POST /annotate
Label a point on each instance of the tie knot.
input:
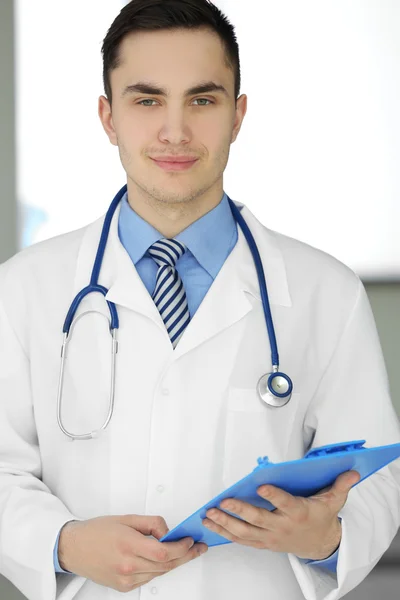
(167, 252)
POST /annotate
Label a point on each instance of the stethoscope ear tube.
(70, 320)
(64, 349)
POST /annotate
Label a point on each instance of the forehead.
(174, 55)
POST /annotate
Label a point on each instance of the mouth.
(175, 166)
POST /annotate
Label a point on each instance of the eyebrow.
(143, 87)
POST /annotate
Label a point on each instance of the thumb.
(343, 485)
(153, 525)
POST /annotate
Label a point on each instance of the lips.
(174, 166)
(175, 159)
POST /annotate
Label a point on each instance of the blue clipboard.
(305, 477)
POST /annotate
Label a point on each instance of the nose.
(175, 128)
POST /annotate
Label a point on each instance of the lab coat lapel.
(118, 274)
(226, 302)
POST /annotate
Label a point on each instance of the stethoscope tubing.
(261, 280)
(94, 279)
(95, 287)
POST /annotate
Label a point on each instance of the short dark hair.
(152, 15)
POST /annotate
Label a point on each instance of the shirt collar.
(208, 239)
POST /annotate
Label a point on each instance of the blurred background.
(321, 138)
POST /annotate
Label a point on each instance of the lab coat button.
(165, 391)
(160, 488)
(154, 591)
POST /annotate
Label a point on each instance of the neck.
(170, 217)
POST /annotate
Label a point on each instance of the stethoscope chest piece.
(275, 389)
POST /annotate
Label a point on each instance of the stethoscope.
(275, 388)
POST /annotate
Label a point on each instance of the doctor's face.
(146, 124)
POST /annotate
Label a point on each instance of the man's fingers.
(156, 551)
(142, 570)
(345, 482)
(282, 500)
(336, 495)
(342, 485)
(150, 567)
(153, 525)
(287, 503)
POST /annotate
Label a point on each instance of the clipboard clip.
(334, 448)
(328, 450)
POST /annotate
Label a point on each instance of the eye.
(206, 99)
(196, 100)
(146, 100)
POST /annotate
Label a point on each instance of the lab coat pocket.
(254, 429)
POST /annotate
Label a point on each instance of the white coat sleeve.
(30, 515)
(352, 402)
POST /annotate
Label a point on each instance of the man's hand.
(306, 527)
(114, 551)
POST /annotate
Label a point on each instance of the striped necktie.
(169, 294)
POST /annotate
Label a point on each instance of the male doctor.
(83, 519)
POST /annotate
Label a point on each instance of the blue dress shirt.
(209, 241)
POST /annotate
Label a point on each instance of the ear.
(240, 112)
(105, 115)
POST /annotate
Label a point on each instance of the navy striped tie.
(169, 294)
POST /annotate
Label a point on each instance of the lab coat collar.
(227, 300)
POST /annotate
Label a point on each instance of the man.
(83, 520)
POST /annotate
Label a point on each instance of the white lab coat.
(187, 422)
